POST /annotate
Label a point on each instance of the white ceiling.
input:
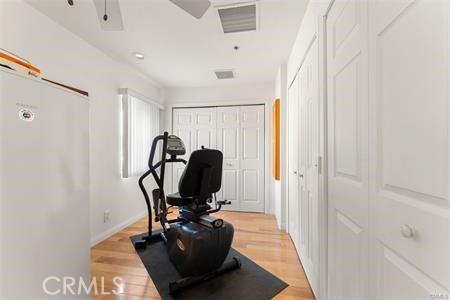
(181, 51)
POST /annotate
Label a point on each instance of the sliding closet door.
(237, 131)
(308, 180)
(228, 141)
(410, 154)
(197, 128)
(348, 185)
(293, 144)
(183, 120)
(252, 158)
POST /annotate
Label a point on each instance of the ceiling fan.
(110, 17)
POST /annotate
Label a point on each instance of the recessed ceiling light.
(138, 55)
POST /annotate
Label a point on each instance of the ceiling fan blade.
(196, 8)
(114, 16)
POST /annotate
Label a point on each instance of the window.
(141, 123)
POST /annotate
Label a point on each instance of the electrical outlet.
(106, 216)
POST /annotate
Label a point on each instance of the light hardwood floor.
(256, 236)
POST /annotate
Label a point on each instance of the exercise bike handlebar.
(159, 179)
(153, 151)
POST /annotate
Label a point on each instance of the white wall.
(251, 92)
(64, 57)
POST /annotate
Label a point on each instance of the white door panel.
(409, 164)
(228, 142)
(197, 128)
(400, 280)
(239, 133)
(252, 158)
(205, 127)
(294, 213)
(182, 124)
(348, 240)
(348, 192)
(308, 180)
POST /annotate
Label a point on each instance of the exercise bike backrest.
(202, 175)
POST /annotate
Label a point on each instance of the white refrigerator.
(44, 188)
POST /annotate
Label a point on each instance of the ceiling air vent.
(224, 74)
(238, 18)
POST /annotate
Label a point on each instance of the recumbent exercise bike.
(197, 243)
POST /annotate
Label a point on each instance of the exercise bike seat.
(176, 199)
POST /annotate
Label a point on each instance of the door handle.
(407, 231)
(300, 175)
(295, 172)
(229, 164)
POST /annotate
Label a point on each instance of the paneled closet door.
(228, 141)
(308, 137)
(183, 120)
(348, 183)
(197, 128)
(252, 158)
(409, 164)
(293, 164)
(205, 128)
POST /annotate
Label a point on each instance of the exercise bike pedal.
(224, 202)
(142, 243)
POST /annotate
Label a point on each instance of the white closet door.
(348, 186)
(228, 141)
(308, 137)
(293, 144)
(252, 158)
(183, 120)
(197, 128)
(238, 132)
(204, 127)
(410, 154)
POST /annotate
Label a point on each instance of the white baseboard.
(106, 234)
(281, 225)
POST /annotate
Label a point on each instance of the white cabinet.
(44, 186)
(238, 131)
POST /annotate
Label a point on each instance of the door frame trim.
(323, 127)
(168, 121)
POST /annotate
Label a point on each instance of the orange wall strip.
(276, 151)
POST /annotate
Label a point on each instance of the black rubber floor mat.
(249, 282)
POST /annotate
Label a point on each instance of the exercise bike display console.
(175, 146)
(197, 243)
